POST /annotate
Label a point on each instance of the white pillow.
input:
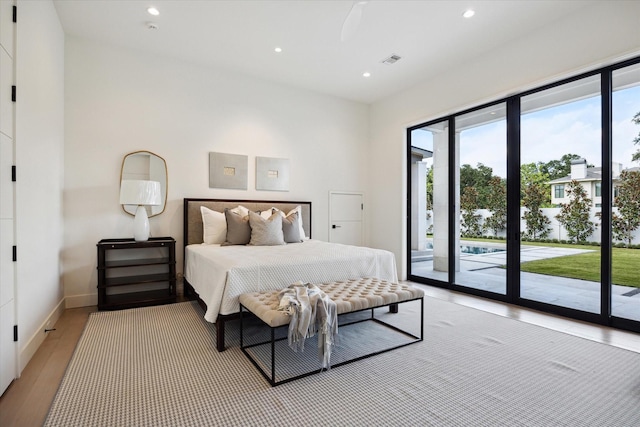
(214, 226)
(299, 210)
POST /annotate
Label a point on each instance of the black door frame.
(605, 316)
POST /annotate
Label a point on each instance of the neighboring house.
(589, 178)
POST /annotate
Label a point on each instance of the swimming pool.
(477, 250)
(474, 250)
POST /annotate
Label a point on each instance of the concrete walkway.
(483, 271)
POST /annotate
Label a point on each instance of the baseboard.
(30, 348)
(85, 300)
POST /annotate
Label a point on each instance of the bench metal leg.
(220, 334)
(272, 342)
(273, 356)
(241, 327)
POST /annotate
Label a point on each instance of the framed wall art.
(272, 174)
(228, 171)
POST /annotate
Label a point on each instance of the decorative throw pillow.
(266, 232)
(238, 229)
(297, 209)
(214, 226)
(291, 228)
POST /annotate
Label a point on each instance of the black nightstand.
(136, 274)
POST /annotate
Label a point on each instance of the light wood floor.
(26, 402)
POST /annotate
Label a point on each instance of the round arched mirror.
(145, 166)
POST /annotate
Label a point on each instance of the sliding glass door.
(535, 199)
(481, 194)
(625, 197)
(561, 171)
(429, 177)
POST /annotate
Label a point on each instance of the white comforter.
(219, 274)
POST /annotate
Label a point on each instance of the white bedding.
(219, 274)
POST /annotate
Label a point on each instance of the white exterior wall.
(589, 188)
(556, 230)
(419, 191)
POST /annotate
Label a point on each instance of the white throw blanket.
(311, 311)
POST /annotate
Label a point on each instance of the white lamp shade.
(140, 192)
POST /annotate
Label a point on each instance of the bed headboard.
(193, 217)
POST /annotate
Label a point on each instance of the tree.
(531, 174)
(555, 169)
(468, 207)
(478, 178)
(636, 140)
(430, 188)
(535, 195)
(497, 204)
(574, 216)
(627, 220)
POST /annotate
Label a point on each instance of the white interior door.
(346, 217)
(8, 354)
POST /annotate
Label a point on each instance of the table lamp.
(141, 193)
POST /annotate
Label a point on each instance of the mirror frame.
(165, 184)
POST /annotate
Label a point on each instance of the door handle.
(336, 226)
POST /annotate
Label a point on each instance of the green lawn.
(586, 266)
(625, 263)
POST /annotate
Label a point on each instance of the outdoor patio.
(483, 271)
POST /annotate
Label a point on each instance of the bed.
(217, 275)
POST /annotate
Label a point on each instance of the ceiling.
(431, 37)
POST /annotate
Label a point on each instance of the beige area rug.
(158, 366)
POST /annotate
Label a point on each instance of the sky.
(549, 134)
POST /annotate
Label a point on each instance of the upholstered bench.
(350, 296)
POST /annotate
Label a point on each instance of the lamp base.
(141, 225)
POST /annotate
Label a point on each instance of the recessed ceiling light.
(153, 11)
(278, 49)
(366, 74)
(468, 13)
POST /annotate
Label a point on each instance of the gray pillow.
(291, 228)
(266, 232)
(238, 229)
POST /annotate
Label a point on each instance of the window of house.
(559, 191)
(598, 189)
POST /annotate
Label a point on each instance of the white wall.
(39, 160)
(118, 101)
(599, 35)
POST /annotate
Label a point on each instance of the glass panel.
(625, 170)
(560, 166)
(481, 142)
(429, 196)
